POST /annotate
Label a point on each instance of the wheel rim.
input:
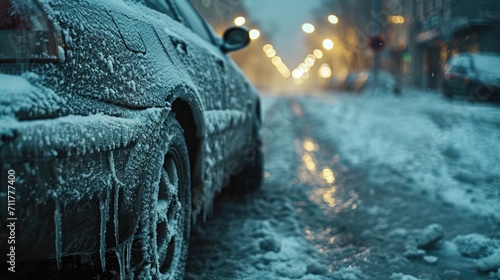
(170, 217)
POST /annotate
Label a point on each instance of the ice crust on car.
(137, 77)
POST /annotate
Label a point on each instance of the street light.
(308, 28)
(303, 67)
(325, 71)
(267, 47)
(398, 19)
(276, 60)
(271, 53)
(318, 53)
(282, 68)
(328, 44)
(297, 73)
(333, 19)
(239, 21)
(254, 34)
(309, 61)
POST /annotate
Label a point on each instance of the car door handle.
(179, 45)
(221, 63)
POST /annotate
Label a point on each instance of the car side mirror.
(235, 38)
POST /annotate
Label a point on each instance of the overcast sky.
(282, 20)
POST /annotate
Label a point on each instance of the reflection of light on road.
(325, 174)
(326, 193)
(310, 146)
(309, 234)
(326, 188)
(328, 175)
(309, 162)
(328, 196)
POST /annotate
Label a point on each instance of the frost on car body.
(83, 125)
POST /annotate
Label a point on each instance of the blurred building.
(443, 28)
(359, 22)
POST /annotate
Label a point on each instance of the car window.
(466, 64)
(193, 19)
(460, 70)
(456, 61)
(487, 64)
(457, 65)
(161, 6)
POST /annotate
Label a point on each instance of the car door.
(467, 72)
(226, 113)
(207, 64)
(457, 74)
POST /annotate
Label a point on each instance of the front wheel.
(162, 250)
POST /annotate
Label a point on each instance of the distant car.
(475, 76)
(355, 81)
(360, 81)
(119, 122)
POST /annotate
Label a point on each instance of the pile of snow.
(482, 250)
(401, 276)
(421, 240)
(486, 251)
(348, 273)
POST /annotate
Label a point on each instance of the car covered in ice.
(475, 76)
(119, 122)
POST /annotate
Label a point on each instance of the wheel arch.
(188, 111)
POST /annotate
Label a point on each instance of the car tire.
(484, 94)
(470, 92)
(252, 175)
(160, 252)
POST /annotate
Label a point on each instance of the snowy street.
(250, 139)
(363, 187)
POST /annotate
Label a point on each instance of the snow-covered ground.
(449, 150)
(363, 187)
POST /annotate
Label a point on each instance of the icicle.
(152, 241)
(115, 215)
(120, 256)
(116, 197)
(128, 253)
(104, 208)
(58, 233)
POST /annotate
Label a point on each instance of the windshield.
(487, 64)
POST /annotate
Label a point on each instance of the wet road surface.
(317, 218)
